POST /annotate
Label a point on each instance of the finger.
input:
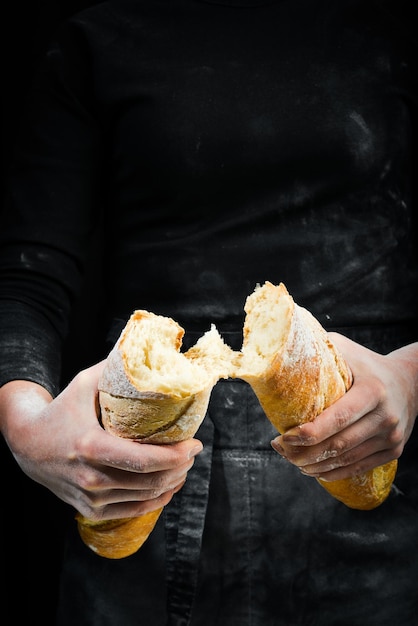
(373, 427)
(357, 402)
(122, 510)
(80, 398)
(330, 460)
(105, 487)
(118, 496)
(134, 456)
(87, 381)
(354, 469)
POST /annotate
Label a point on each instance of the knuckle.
(358, 469)
(343, 417)
(149, 505)
(339, 447)
(81, 380)
(377, 389)
(390, 422)
(308, 432)
(95, 514)
(84, 447)
(156, 493)
(397, 451)
(89, 480)
(157, 483)
(395, 437)
(396, 442)
(349, 458)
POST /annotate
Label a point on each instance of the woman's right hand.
(60, 444)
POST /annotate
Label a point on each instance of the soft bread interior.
(211, 354)
(268, 317)
(149, 390)
(152, 360)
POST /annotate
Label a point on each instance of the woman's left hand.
(369, 425)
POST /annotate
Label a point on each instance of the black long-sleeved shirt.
(220, 145)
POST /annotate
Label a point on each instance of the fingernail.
(276, 446)
(304, 471)
(297, 440)
(293, 440)
(194, 451)
(306, 474)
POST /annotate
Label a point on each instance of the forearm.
(407, 361)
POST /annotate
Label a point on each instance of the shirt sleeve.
(50, 212)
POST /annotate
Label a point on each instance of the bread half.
(151, 392)
(296, 372)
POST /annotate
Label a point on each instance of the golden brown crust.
(365, 491)
(118, 538)
(154, 418)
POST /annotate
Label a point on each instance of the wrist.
(407, 360)
(21, 400)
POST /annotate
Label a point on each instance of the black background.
(33, 520)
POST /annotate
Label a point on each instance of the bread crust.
(154, 417)
(364, 491)
(117, 538)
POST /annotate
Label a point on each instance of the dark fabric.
(220, 145)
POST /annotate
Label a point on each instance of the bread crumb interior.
(268, 314)
(152, 357)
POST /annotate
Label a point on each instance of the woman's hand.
(60, 444)
(369, 425)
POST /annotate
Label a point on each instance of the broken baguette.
(150, 392)
(296, 372)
